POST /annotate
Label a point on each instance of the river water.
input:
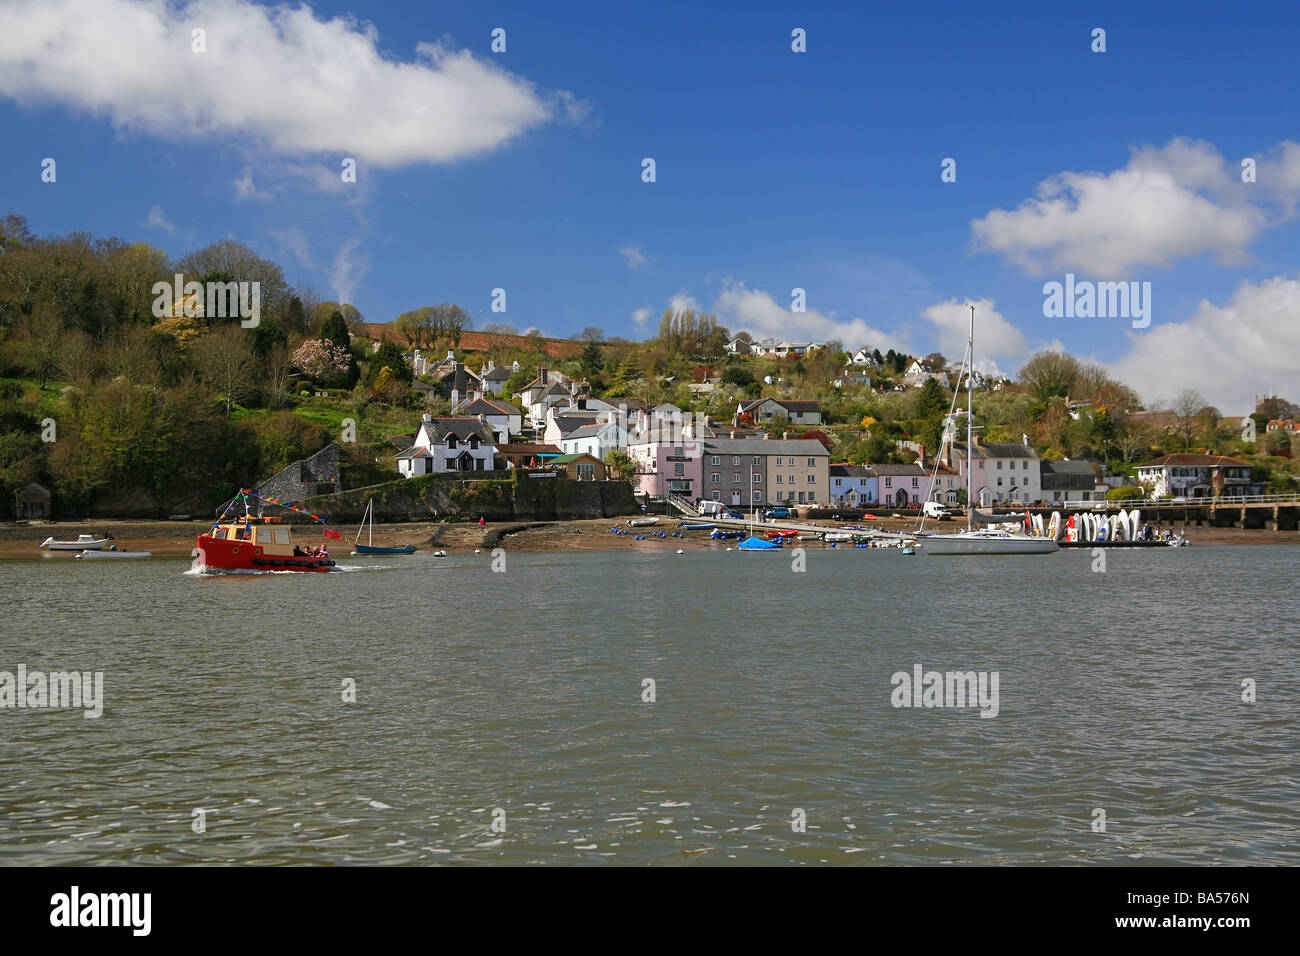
(502, 717)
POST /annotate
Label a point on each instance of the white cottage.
(448, 444)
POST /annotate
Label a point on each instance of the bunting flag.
(245, 494)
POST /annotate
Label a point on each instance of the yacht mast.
(970, 418)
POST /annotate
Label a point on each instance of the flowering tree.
(322, 361)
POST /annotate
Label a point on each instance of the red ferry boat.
(252, 543)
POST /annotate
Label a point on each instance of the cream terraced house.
(757, 471)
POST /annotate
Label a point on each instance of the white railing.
(1206, 502)
(684, 505)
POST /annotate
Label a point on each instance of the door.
(735, 497)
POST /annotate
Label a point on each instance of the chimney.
(541, 375)
(492, 365)
(426, 418)
(451, 356)
(582, 403)
(482, 419)
(455, 397)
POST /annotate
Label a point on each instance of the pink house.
(669, 466)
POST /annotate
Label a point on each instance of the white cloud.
(999, 345)
(755, 311)
(1180, 201)
(276, 76)
(245, 188)
(1228, 353)
(641, 316)
(681, 301)
(633, 256)
(158, 220)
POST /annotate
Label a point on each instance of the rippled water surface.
(521, 693)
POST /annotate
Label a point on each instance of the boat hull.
(115, 554)
(944, 544)
(221, 554)
(371, 549)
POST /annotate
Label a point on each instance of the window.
(735, 477)
(1024, 466)
(914, 482)
(756, 497)
(679, 469)
(812, 462)
(451, 464)
(999, 482)
(889, 482)
(1013, 481)
(999, 466)
(812, 479)
(451, 441)
(758, 461)
(839, 482)
(758, 478)
(801, 497)
(778, 478)
(717, 460)
(715, 477)
(717, 495)
(735, 460)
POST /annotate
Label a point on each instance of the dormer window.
(451, 441)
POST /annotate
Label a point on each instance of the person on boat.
(299, 552)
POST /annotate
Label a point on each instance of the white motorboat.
(84, 542)
(641, 522)
(115, 554)
(987, 540)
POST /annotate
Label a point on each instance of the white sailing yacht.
(985, 540)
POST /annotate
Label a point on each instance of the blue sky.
(775, 169)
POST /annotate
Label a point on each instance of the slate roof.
(1196, 461)
(764, 446)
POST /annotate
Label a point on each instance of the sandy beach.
(19, 540)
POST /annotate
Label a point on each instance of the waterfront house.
(580, 467)
(1198, 476)
(902, 486)
(757, 471)
(1005, 472)
(851, 486)
(667, 461)
(1069, 480)
(448, 444)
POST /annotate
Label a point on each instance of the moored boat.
(84, 542)
(368, 525)
(641, 522)
(114, 553)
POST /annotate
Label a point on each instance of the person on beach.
(481, 523)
